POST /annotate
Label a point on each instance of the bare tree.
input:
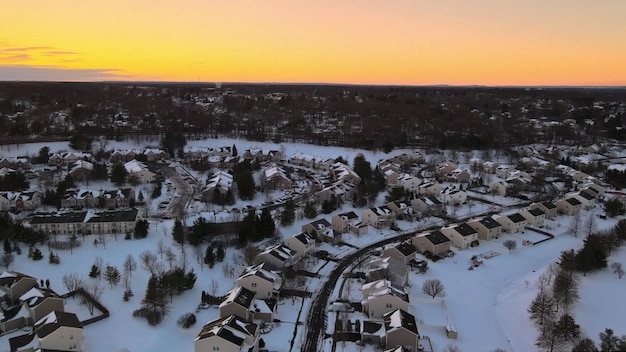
(590, 224)
(451, 348)
(150, 262)
(72, 281)
(161, 247)
(95, 289)
(7, 259)
(250, 252)
(433, 288)
(170, 256)
(510, 245)
(617, 269)
(214, 287)
(99, 264)
(576, 223)
(198, 252)
(130, 264)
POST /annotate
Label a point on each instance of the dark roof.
(407, 320)
(303, 237)
(18, 342)
(115, 216)
(573, 201)
(536, 212)
(8, 281)
(217, 328)
(59, 218)
(490, 223)
(244, 297)
(434, 200)
(11, 312)
(587, 195)
(63, 319)
(517, 217)
(406, 248)
(349, 215)
(465, 230)
(371, 327)
(321, 223)
(548, 205)
(437, 237)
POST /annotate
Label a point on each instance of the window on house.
(389, 305)
(216, 348)
(253, 284)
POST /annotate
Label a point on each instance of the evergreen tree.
(266, 227)
(154, 304)
(95, 272)
(242, 174)
(613, 207)
(7, 246)
(592, 255)
(585, 345)
(118, 174)
(141, 228)
(310, 211)
(247, 228)
(112, 275)
(541, 308)
(558, 334)
(220, 253)
(288, 215)
(565, 290)
(178, 232)
(209, 257)
(200, 231)
(234, 150)
(609, 341)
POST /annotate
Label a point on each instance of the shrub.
(474, 243)
(186, 320)
(154, 317)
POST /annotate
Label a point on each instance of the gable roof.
(437, 237)
(406, 248)
(465, 230)
(536, 212)
(517, 217)
(240, 295)
(51, 322)
(573, 201)
(489, 222)
(231, 328)
(20, 342)
(348, 216)
(400, 319)
(548, 205)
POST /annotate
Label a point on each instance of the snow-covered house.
(277, 256)
(343, 172)
(259, 279)
(434, 242)
(275, 178)
(402, 210)
(486, 227)
(301, 243)
(14, 285)
(341, 191)
(316, 227)
(428, 206)
(512, 223)
(139, 170)
(221, 182)
(458, 175)
(383, 296)
(238, 302)
(401, 330)
(341, 222)
(57, 331)
(452, 195)
(377, 217)
(229, 334)
(27, 200)
(568, 206)
(535, 216)
(429, 188)
(446, 167)
(41, 302)
(388, 268)
(403, 251)
(81, 171)
(549, 208)
(461, 235)
(409, 182)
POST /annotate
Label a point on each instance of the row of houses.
(27, 304)
(118, 221)
(27, 200)
(115, 198)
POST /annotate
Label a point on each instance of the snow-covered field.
(487, 305)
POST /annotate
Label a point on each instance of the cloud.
(15, 57)
(32, 73)
(59, 52)
(27, 48)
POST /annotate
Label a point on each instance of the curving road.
(316, 325)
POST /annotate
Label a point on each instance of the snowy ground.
(486, 305)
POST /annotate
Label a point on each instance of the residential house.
(238, 302)
(57, 331)
(154, 154)
(586, 198)
(15, 163)
(62, 223)
(341, 222)
(275, 178)
(229, 334)
(458, 175)
(535, 217)
(512, 223)
(316, 227)
(489, 167)
(342, 172)
(429, 188)
(5, 203)
(118, 198)
(434, 242)
(568, 206)
(402, 210)
(502, 188)
(549, 208)
(403, 251)
(301, 244)
(372, 332)
(139, 170)
(383, 296)
(428, 206)
(461, 235)
(392, 177)
(277, 256)
(446, 167)
(14, 285)
(401, 330)
(453, 196)
(27, 200)
(409, 182)
(378, 217)
(388, 268)
(259, 279)
(341, 191)
(221, 182)
(41, 302)
(502, 171)
(118, 221)
(303, 159)
(81, 171)
(486, 227)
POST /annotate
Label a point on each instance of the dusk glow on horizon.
(400, 42)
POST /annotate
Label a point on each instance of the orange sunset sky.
(414, 42)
